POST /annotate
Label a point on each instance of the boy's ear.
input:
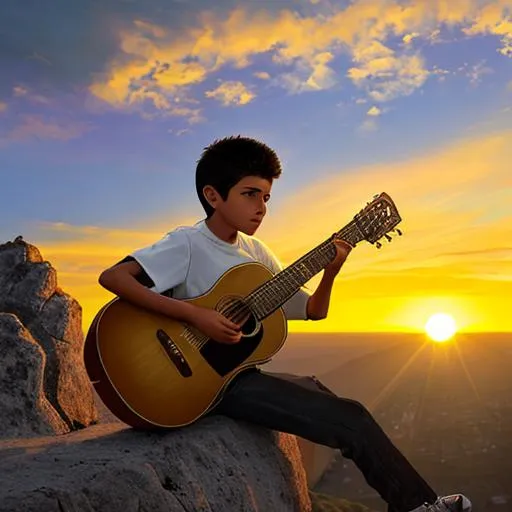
(211, 195)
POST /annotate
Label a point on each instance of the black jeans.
(305, 407)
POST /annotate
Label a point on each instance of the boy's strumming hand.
(342, 251)
(215, 325)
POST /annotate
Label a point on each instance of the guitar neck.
(276, 291)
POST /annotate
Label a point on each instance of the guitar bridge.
(174, 353)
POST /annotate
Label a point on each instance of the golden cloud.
(156, 61)
(409, 37)
(312, 75)
(231, 93)
(374, 111)
(492, 20)
(385, 75)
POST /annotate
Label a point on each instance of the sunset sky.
(105, 107)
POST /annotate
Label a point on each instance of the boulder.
(44, 387)
(214, 465)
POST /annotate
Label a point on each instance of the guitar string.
(238, 310)
(342, 233)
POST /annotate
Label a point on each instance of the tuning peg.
(398, 232)
(388, 238)
(375, 196)
(378, 245)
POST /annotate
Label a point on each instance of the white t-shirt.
(190, 259)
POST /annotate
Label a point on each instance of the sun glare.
(440, 327)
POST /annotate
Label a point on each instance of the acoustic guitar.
(155, 372)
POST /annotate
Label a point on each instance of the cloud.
(374, 111)
(476, 71)
(492, 19)
(163, 106)
(3, 106)
(440, 73)
(20, 91)
(179, 133)
(39, 128)
(262, 75)
(384, 75)
(407, 39)
(156, 60)
(368, 126)
(312, 75)
(370, 123)
(231, 93)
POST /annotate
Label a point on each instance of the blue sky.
(106, 106)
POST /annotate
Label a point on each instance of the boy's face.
(245, 205)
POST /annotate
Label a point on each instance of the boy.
(234, 178)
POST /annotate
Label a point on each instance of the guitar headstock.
(377, 219)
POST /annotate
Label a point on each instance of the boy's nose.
(262, 206)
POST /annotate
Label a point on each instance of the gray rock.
(215, 465)
(53, 387)
(25, 408)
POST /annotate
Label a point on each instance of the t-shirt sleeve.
(166, 262)
(295, 308)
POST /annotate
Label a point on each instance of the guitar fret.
(275, 292)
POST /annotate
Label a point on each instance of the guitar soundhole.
(237, 311)
(224, 358)
(249, 326)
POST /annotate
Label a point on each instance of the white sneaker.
(452, 503)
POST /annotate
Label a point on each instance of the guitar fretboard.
(276, 291)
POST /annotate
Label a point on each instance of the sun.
(440, 327)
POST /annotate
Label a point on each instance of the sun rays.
(439, 355)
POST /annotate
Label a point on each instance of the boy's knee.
(363, 412)
(320, 385)
(356, 410)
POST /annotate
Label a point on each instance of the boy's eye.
(252, 193)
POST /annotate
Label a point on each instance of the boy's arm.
(122, 281)
(318, 304)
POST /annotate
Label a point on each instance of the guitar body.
(154, 372)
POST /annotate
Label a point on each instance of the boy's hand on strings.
(342, 251)
(216, 326)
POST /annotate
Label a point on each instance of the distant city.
(447, 406)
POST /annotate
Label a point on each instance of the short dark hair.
(226, 161)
